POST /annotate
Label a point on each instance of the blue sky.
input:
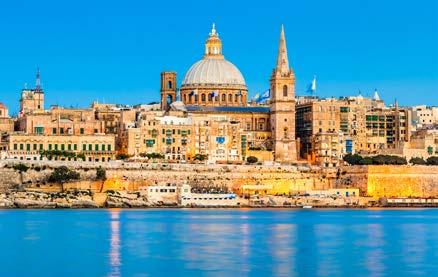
(114, 51)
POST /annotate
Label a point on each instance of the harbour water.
(228, 242)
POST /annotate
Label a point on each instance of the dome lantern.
(213, 45)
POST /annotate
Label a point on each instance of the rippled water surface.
(219, 242)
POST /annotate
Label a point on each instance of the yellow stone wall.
(402, 181)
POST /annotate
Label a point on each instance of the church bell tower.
(282, 106)
(168, 89)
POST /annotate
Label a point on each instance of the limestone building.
(32, 100)
(6, 123)
(91, 148)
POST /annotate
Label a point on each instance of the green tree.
(432, 160)
(21, 167)
(122, 156)
(417, 160)
(353, 159)
(251, 160)
(63, 174)
(366, 161)
(200, 157)
(101, 173)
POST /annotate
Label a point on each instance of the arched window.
(210, 97)
(203, 97)
(169, 84)
(284, 91)
(224, 97)
(230, 98)
(236, 97)
(285, 133)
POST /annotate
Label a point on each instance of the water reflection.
(283, 249)
(414, 247)
(374, 258)
(219, 243)
(115, 257)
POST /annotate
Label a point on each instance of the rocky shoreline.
(83, 199)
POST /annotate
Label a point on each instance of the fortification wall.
(402, 181)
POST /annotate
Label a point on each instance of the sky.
(114, 51)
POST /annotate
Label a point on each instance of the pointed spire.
(376, 96)
(282, 60)
(38, 80)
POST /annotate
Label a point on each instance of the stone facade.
(96, 148)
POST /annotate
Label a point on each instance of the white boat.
(307, 207)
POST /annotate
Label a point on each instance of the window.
(62, 147)
(103, 147)
(203, 97)
(96, 147)
(90, 147)
(50, 146)
(230, 98)
(81, 131)
(15, 146)
(27, 147)
(54, 131)
(169, 85)
(39, 130)
(109, 147)
(75, 147)
(61, 130)
(285, 133)
(284, 91)
(223, 97)
(69, 147)
(84, 147)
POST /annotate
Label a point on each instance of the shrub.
(200, 157)
(101, 173)
(353, 159)
(417, 160)
(63, 174)
(252, 159)
(366, 161)
(122, 156)
(20, 167)
(152, 155)
(432, 160)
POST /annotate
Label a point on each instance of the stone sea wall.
(374, 181)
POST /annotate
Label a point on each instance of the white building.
(187, 198)
(424, 115)
(162, 194)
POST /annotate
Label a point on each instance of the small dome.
(213, 71)
(178, 106)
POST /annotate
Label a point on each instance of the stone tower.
(168, 89)
(282, 106)
(32, 100)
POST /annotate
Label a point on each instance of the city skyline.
(116, 57)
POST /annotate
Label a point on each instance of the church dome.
(213, 71)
